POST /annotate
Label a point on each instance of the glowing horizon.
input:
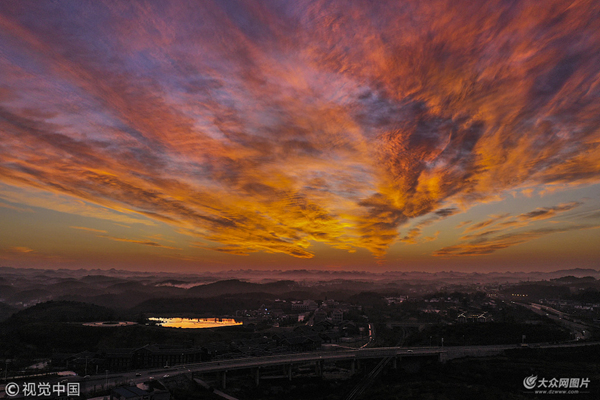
(303, 134)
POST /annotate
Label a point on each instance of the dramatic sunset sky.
(218, 135)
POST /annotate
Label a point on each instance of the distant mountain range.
(118, 289)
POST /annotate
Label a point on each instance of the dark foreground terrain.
(43, 315)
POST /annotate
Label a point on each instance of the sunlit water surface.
(195, 323)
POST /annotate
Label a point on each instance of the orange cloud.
(487, 222)
(21, 249)
(483, 246)
(415, 232)
(547, 212)
(143, 242)
(264, 129)
(463, 224)
(496, 237)
(431, 238)
(88, 229)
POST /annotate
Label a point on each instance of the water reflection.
(195, 322)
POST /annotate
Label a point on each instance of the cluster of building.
(284, 313)
(395, 300)
(570, 305)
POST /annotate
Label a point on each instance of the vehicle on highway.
(166, 376)
(138, 374)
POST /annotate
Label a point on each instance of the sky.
(222, 135)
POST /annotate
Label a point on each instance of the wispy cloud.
(415, 232)
(548, 212)
(266, 127)
(15, 208)
(431, 238)
(501, 231)
(463, 224)
(483, 224)
(143, 242)
(88, 229)
(483, 245)
(63, 202)
(20, 249)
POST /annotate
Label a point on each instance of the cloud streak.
(483, 245)
(436, 216)
(547, 212)
(500, 235)
(142, 242)
(20, 249)
(83, 228)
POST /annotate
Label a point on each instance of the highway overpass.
(317, 358)
(287, 361)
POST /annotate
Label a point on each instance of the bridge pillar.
(352, 367)
(395, 363)
(257, 376)
(443, 357)
(290, 372)
(224, 380)
(319, 368)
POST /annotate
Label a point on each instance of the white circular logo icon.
(11, 389)
(530, 382)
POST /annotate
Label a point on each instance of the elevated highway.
(317, 358)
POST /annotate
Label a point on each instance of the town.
(111, 349)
